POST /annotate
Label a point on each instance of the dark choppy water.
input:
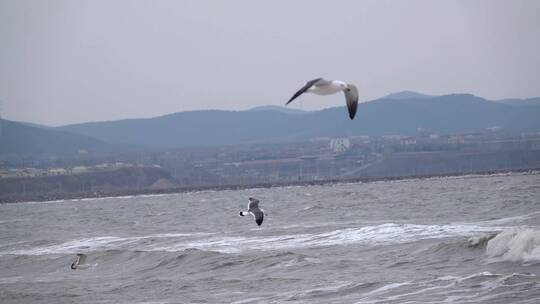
(413, 241)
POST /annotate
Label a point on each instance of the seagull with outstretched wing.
(253, 209)
(322, 86)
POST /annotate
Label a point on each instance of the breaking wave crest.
(518, 244)
(384, 234)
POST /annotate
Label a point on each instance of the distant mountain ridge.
(447, 114)
(279, 109)
(23, 139)
(535, 101)
(439, 114)
(406, 95)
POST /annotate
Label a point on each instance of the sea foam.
(518, 244)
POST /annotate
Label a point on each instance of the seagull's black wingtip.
(259, 220)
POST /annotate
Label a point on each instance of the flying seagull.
(322, 86)
(79, 263)
(253, 208)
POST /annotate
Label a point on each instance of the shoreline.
(36, 198)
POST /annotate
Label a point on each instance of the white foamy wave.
(515, 245)
(383, 234)
(483, 287)
(513, 220)
(369, 235)
(480, 240)
(105, 242)
(100, 242)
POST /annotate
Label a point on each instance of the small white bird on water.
(253, 209)
(322, 86)
(79, 263)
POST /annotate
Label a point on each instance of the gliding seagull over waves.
(322, 86)
(253, 208)
(79, 263)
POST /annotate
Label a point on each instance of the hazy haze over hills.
(22, 140)
(521, 102)
(65, 62)
(442, 114)
(406, 95)
(279, 109)
(395, 114)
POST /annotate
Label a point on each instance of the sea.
(468, 239)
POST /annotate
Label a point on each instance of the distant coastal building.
(340, 144)
(79, 169)
(392, 137)
(121, 165)
(57, 171)
(456, 139)
(407, 141)
(363, 139)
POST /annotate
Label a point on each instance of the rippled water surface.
(472, 239)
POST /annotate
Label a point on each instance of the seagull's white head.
(341, 84)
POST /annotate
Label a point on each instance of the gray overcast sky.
(74, 61)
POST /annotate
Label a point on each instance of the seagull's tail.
(242, 213)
